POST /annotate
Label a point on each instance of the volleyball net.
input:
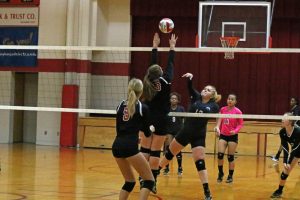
(97, 76)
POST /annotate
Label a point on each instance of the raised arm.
(194, 94)
(168, 75)
(156, 42)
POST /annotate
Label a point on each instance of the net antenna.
(229, 43)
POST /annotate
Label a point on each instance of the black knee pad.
(155, 154)
(283, 176)
(149, 184)
(128, 186)
(179, 155)
(220, 156)
(230, 158)
(169, 155)
(200, 164)
(145, 150)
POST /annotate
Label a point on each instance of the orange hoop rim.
(231, 41)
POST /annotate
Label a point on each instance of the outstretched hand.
(188, 75)
(156, 40)
(172, 41)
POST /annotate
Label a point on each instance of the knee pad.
(179, 155)
(149, 184)
(155, 154)
(128, 186)
(283, 176)
(230, 158)
(220, 156)
(200, 164)
(145, 150)
(169, 155)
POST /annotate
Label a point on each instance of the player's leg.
(199, 159)
(232, 145)
(156, 146)
(145, 143)
(128, 175)
(174, 148)
(141, 165)
(284, 175)
(168, 141)
(222, 145)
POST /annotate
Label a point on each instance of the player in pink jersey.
(227, 130)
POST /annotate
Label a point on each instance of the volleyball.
(166, 25)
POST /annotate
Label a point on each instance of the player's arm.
(146, 120)
(156, 42)
(194, 94)
(239, 124)
(285, 148)
(168, 75)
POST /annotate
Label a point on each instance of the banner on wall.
(18, 26)
(19, 2)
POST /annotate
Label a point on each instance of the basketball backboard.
(248, 20)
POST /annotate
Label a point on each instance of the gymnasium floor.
(47, 172)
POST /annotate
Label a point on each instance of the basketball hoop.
(229, 42)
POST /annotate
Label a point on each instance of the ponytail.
(216, 97)
(152, 74)
(132, 99)
(149, 91)
(135, 89)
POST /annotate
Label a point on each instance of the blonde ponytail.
(131, 103)
(215, 97)
(135, 89)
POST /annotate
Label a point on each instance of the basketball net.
(229, 42)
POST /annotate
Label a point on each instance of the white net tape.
(181, 49)
(110, 92)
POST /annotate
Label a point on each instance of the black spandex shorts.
(160, 124)
(185, 137)
(124, 147)
(229, 138)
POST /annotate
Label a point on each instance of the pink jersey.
(230, 124)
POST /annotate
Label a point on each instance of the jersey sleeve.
(169, 72)
(239, 122)
(285, 147)
(146, 120)
(194, 94)
(153, 57)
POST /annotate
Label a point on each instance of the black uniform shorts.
(195, 138)
(229, 138)
(160, 125)
(125, 147)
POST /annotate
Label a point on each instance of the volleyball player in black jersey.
(132, 116)
(289, 135)
(157, 89)
(174, 126)
(295, 110)
(194, 131)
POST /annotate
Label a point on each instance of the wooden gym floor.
(47, 172)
